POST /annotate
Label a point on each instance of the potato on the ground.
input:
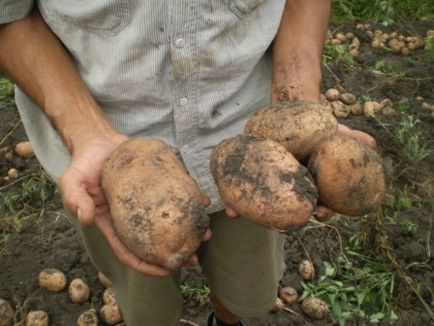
(6, 313)
(78, 291)
(349, 176)
(315, 308)
(278, 305)
(288, 295)
(157, 208)
(111, 314)
(88, 318)
(24, 149)
(52, 279)
(37, 318)
(298, 126)
(108, 296)
(263, 182)
(306, 270)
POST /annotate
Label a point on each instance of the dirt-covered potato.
(306, 270)
(37, 318)
(104, 280)
(110, 314)
(52, 279)
(6, 313)
(24, 149)
(288, 295)
(108, 296)
(78, 291)
(315, 308)
(263, 182)
(157, 208)
(298, 126)
(278, 305)
(88, 318)
(349, 176)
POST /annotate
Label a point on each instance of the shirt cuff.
(11, 10)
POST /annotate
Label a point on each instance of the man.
(93, 73)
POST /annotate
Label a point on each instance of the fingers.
(205, 200)
(358, 135)
(207, 235)
(76, 198)
(124, 255)
(323, 214)
(230, 212)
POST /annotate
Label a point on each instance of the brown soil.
(47, 239)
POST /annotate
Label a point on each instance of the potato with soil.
(263, 182)
(88, 318)
(37, 318)
(52, 279)
(111, 314)
(298, 126)
(156, 207)
(315, 308)
(78, 291)
(349, 176)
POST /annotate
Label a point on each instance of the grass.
(382, 68)
(6, 89)
(383, 12)
(197, 293)
(339, 55)
(357, 288)
(429, 54)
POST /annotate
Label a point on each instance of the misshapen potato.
(88, 318)
(37, 318)
(349, 176)
(299, 126)
(260, 180)
(155, 205)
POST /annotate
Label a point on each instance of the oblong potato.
(263, 182)
(349, 176)
(155, 205)
(299, 126)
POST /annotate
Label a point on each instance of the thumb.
(76, 198)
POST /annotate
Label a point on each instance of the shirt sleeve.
(11, 10)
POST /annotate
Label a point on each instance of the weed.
(338, 54)
(381, 68)
(429, 53)
(356, 288)
(199, 294)
(6, 88)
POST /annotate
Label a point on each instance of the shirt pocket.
(104, 17)
(242, 8)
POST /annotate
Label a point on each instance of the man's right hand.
(81, 192)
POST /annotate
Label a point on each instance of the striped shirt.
(187, 72)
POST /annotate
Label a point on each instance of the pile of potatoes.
(342, 105)
(313, 307)
(348, 38)
(22, 149)
(260, 176)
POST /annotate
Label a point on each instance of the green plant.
(6, 88)
(338, 54)
(382, 68)
(429, 53)
(199, 294)
(356, 289)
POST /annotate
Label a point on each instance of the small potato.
(288, 295)
(156, 207)
(349, 176)
(348, 98)
(377, 44)
(427, 106)
(24, 149)
(298, 126)
(263, 182)
(349, 35)
(306, 270)
(354, 53)
(315, 308)
(37, 318)
(108, 296)
(388, 111)
(110, 314)
(278, 305)
(78, 291)
(341, 37)
(335, 41)
(88, 318)
(104, 280)
(52, 279)
(340, 110)
(9, 156)
(369, 109)
(12, 173)
(6, 313)
(405, 51)
(332, 94)
(356, 109)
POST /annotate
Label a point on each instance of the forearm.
(297, 50)
(37, 62)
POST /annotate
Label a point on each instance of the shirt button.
(183, 101)
(180, 43)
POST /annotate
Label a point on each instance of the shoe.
(212, 322)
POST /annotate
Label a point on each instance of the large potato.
(263, 182)
(156, 207)
(299, 126)
(349, 176)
